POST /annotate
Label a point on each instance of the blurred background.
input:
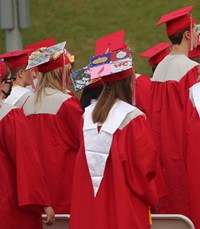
(81, 22)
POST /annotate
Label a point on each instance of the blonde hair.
(110, 93)
(53, 80)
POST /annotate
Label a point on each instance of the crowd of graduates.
(127, 149)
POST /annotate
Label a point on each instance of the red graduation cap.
(16, 59)
(157, 53)
(54, 64)
(44, 43)
(118, 76)
(2, 69)
(110, 42)
(177, 20)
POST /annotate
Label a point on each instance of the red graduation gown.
(125, 192)
(23, 189)
(56, 123)
(192, 156)
(142, 90)
(143, 98)
(168, 96)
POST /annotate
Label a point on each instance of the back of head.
(177, 22)
(111, 92)
(156, 53)
(16, 59)
(116, 85)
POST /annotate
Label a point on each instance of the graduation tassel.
(133, 82)
(64, 85)
(191, 34)
(0, 89)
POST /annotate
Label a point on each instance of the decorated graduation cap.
(157, 53)
(44, 43)
(112, 62)
(120, 62)
(16, 59)
(47, 59)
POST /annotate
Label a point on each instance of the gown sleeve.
(20, 146)
(139, 161)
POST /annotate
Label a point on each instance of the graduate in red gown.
(56, 118)
(192, 128)
(116, 162)
(171, 81)
(17, 62)
(155, 55)
(23, 189)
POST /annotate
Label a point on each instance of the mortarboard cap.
(49, 59)
(177, 20)
(118, 76)
(16, 59)
(157, 53)
(110, 43)
(2, 69)
(44, 43)
(95, 84)
(54, 63)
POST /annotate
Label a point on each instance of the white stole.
(98, 144)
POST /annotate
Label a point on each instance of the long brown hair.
(110, 93)
(53, 80)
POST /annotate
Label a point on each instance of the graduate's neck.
(180, 49)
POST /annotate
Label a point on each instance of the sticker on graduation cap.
(81, 78)
(100, 59)
(120, 60)
(44, 55)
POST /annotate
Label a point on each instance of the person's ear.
(20, 73)
(187, 34)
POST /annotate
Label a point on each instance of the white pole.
(14, 36)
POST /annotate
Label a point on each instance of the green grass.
(81, 22)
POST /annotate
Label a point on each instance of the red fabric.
(192, 161)
(2, 69)
(159, 57)
(117, 76)
(22, 181)
(190, 139)
(143, 100)
(195, 52)
(16, 59)
(58, 141)
(53, 64)
(177, 20)
(178, 24)
(156, 53)
(167, 121)
(142, 90)
(125, 192)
